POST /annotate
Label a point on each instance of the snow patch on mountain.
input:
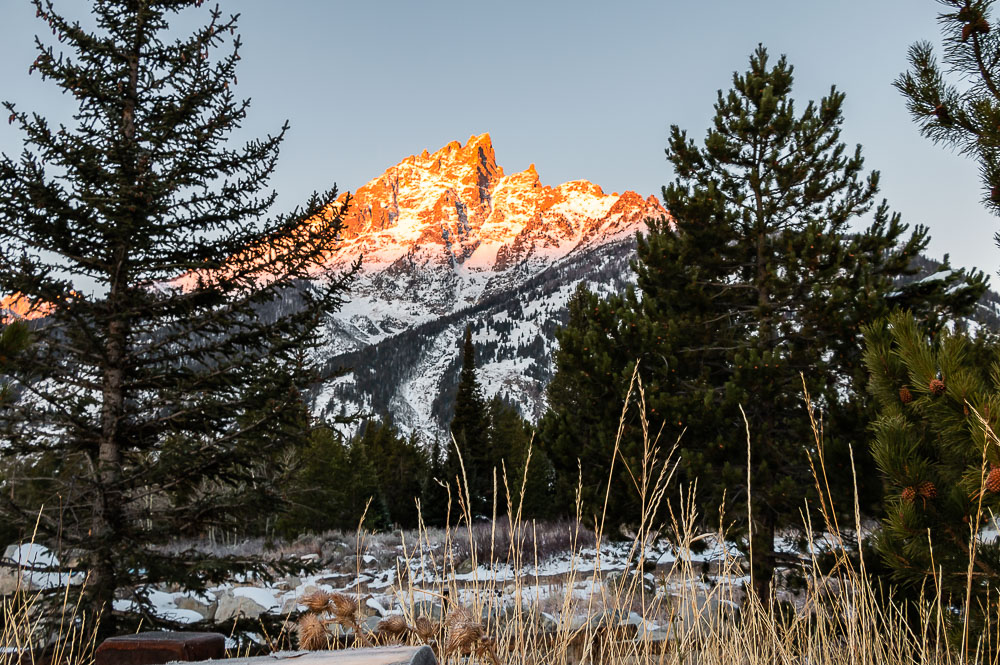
(449, 240)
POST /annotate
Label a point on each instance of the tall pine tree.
(469, 429)
(174, 354)
(757, 279)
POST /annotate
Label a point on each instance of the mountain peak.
(455, 201)
(477, 153)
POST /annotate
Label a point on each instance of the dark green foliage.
(14, 338)
(335, 481)
(434, 504)
(400, 471)
(470, 431)
(923, 439)
(962, 113)
(318, 494)
(578, 432)
(172, 395)
(755, 282)
(494, 440)
(528, 481)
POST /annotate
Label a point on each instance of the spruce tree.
(174, 355)
(469, 430)
(757, 279)
(938, 402)
(400, 470)
(434, 495)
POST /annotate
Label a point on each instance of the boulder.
(205, 608)
(429, 609)
(231, 607)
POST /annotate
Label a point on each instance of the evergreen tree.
(963, 112)
(13, 340)
(434, 497)
(755, 282)
(174, 352)
(400, 467)
(318, 491)
(528, 481)
(578, 431)
(469, 429)
(938, 460)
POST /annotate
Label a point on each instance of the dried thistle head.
(458, 614)
(317, 601)
(344, 608)
(425, 629)
(393, 626)
(312, 633)
(463, 631)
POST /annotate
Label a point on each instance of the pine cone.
(927, 490)
(966, 32)
(905, 396)
(993, 480)
(909, 494)
(941, 111)
(936, 387)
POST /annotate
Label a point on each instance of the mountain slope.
(447, 240)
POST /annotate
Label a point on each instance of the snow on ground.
(40, 567)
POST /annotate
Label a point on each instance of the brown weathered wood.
(154, 648)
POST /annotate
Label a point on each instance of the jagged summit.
(448, 239)
(458, 204)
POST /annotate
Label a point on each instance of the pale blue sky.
(583, 89)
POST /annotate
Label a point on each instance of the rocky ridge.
(448, 239)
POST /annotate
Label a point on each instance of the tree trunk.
(109, 498)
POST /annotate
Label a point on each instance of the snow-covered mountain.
(447, 240)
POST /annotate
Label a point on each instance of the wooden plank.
(155, 648)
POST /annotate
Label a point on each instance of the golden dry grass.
(840, 617)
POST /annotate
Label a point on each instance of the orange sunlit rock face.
(18, 307)
(459, 200)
